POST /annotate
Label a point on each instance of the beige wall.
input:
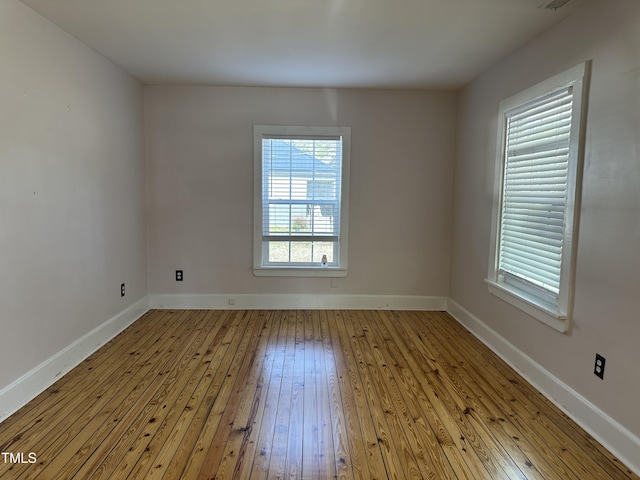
(71, 190)
(199, 151)
(607, 311)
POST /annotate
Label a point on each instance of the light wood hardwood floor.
(301, 395)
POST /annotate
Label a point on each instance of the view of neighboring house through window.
(301, 201)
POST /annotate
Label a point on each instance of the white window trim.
(340, 270)
(557, 317)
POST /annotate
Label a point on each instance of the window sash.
(294, 252)
(301, 200)
(534, 194)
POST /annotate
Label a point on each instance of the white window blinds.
(301, 191)
(534, 198)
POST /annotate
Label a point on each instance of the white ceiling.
(320, 43)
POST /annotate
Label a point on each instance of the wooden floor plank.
(328, 450)
(310, 419)
(106, 363)
(162, 423)
(431, 457)
(177, 378)
(493, 408)
(107, 428)
(278, 447)
(363, 458)
(263, 431)
(82, 413)
(304, 394)
(398, 412)
(447, 421)
(246, 356)
(155, 446)
(476, 432)
(203, 460)
(521, 407)
(236, 445)
(584, 457)
(498, 411)
(398, 457)
(295, 441)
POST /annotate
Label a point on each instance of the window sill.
(531, 305)
(332, 272)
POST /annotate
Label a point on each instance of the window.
(535, 216)
(301, 200)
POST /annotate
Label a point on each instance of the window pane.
(324, 218)
(301, 195)
(301, 252)
(323, 248)
(279, 252)
(279, 218)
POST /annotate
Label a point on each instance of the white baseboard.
(293, 301)
(34, 382)
(614, 436)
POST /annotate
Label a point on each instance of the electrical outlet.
(122, 289)
(179, 276)
(598, 370)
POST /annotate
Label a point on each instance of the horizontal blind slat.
(300, 238)
(542, 253)
(531, 119)
(539, 157)
(542, 123)
(548, 181)
(514, 254)
(527, 241)
(544, 103)
(539, 222)
(549, 284)
(552, 130)
(532, 267)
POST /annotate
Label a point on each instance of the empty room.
(313, 240)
